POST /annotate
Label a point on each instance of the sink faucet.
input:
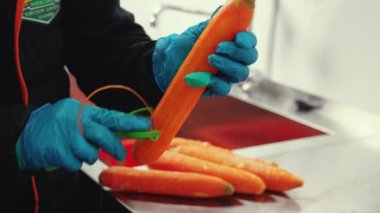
(160, 9)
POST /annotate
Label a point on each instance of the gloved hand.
(231, 59)
(52, 137)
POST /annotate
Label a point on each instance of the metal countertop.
(340, 168)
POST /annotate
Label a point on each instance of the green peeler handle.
(152, 135)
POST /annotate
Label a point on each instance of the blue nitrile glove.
(231, 60)
(52, 136)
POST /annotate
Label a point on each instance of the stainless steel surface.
(340, 169)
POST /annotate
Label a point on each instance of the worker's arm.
(104, 46)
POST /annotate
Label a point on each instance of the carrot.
(178, 141)
(164, 182)
(275, 178)
(180, 99)
(243, 182)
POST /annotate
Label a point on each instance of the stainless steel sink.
(234, 124)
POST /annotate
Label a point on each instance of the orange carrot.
(164, 182)
(180, 99)
(178, 141)
(243, 182)
(275, 178)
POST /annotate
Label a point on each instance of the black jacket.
(99, 42)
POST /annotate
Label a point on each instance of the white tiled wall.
(330, 48)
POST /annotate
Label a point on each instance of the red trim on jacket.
(23, 87)
(18, 21)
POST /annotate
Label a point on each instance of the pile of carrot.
(191, 168)
(275, 178)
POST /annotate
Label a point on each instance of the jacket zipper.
(18, 22)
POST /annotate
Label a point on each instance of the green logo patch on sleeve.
(41, 11)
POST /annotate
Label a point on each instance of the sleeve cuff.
(20, 160)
